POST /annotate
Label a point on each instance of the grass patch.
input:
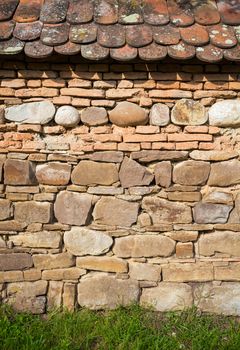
(130, 328)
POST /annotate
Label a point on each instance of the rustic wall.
(97, 214)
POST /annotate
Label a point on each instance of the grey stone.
(94, 116)
(67, 116)
(133, 174)
(209, 213)
(225, 113)
(159, 114)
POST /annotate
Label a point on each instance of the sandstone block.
(53, 261)
(43, 239)
(189, 112)
(15, 261)
(218, 197)
(94, 116)
(107, 156)
(53, 173)
(5, 209)
(88, 172)
(19, 172)
(143, 246)
(188, 272)
(82, 241)
(183, 236)
(226, 242)
(167, 297)
(73, 208)
(128, 114)
(213, 156)
(69, 296)
(225, 173)
(104, 263)
(191, 172)
(225, 113)
(133, 174)
(184, 250)
(113, 211)
(69, 274)
(67, 116)
(106, 292)
(234, 217)
(148, 156)
(230, 272)
(163, 173)
(159, 114)
(144, 272)
(210, 213)
(54, 296)
(31, 212)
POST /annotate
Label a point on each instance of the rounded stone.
(128, 114)
(159, 115)
(67, 116)
(189, 112)
(94, 116)
(225, 113)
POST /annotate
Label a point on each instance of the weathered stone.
(230, 272)
(189, 112)
(113, 211)
(144, 272)
(67, 116)
(146, 156)
(70, 274)
(106, 292)
(54, 296)
(128, 114)
(225, 113)
(88, 172)
(188, 272)
(143, 246)
(69, 296)
(218, 197)
(107, 156)
(225, 242)
(210, 213)
(163, 211)
(220, 299)
(167, 297)
(73, 208)
(19, 172)
(159, 114)
(43, 239)
(31, 113)
(163, 173)
(105, 190)
(82, 241)
(184, 196)
(225, 173)
(213, 156)
(53, 261)
(191, 172)
(94, 116)
(53, 173)
(12, 225)
(183, 236)
(18, 261)
(133, 174)
(103, 263)
(184, 250)
(234, 217)
(2, 114)
(30, 212)
(5, 209)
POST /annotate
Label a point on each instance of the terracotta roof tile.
(209, 29)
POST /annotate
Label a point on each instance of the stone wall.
(109, 202)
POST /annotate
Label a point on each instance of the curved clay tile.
(11, 47)
(130, 12)
(68, 49)
(94, 52)
(28, 31)
(83, 33)
(222, 36)
(180, 13)
(54, 11)
(152, 52)
(111, 36)
(166, 35)
(36, 49)
(28, 11)
(209, 53)
(195, 35)
(155, 12)
(232, 54)
(138, 35)
(106, 11)
(181, 51)
(55, 34)
(80, 11)
(125, 53)
(229, 11)
(6, 29)
(206, 12)
(7, 9)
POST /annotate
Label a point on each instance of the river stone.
(213, 156)
(31, 113)
(220, 299)
(225, 242)
(191, 172)
(189, 112)
(225, 173)
(167, 296)
(73, 208)
(133, 174)
(81, 241)
(163, 173)
(94, 116)
(88, 172)
(5, 209)
(33, 212)
(225, 113)
(143, 246)
(163, 211)
(53, 173)
(19, 172)
(107, 292)
(128, 114)
(18, 261)
(67, 116)
(159, 115)
(113, 211)
(209, 213)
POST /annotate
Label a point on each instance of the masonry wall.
(98, 215)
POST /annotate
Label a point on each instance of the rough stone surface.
(88, 172)
(103, 263)
(107, 156)
(54, 296)
(43, 239)
(210, 213)
(82, 241)
(5, 209)
(2, 114)
(128, 114)
(30, 212)
(167, 297)
(214, 156)
(19, 172)
(53, 261)
(94, 116)
(225, 242)
(113, 211)
(144, 272)
(234, 217)
(53, 173)
(15, 261)
(225, 113)
(106, 292)
(67, 116)
(225, 173)
(73, 208)
(198, 272)
(191, 172)
(143, 246)
(159, 115)
(189, 112)
(163, 211)
(31, 113)
(133, 174)
(163, 174)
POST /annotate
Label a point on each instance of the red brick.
(34, 83)
(206, 145)
(81, 75)
(36, 74)
(146, 145)
(170, 76)
(214, 77)
(30, 128)
(121, 93)
(186, 145)
(235, 85)
(7, 92)
(213, 130)
(108, 138)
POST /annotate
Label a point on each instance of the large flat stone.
(113, 211)
(225, 173)
(213, 155)
(225, 242)
(144, 271)
(15, 261)
(191, 172)
(53, 173)
(102, 263)
(31, 212)
(189, 112)
(128, 114)
(106, 292)
(210, 213)
(225, 113)
(146, 156)
(5, 209)
(133, 174)
(53, 261)
(19, 172)
(187, 272)
(43, 239)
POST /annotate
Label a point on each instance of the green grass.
(123, 329)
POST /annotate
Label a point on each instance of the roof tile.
(125, 53)
(222, 36)
(80, 11)
(55, 34)
(112, 35)
(28, 31)
(106, 11)
(195, 35)
(181, 51)
(54, 11)
(130, 12)
(94, 52)
(155, 12)
(138, 36)
(11, 47)
(180, 13)
(28, 11)
(232, 54)
(68, 48)
(6, 29)
(209, 53)
(206, 13)
(166, 35)
(152, 52)
(7, 8)
(83, 33)
(36, 49)
(229, 11)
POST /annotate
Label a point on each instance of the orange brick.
(146, 145)
(83, 129)
(34, 145)
(162, 145)
(22, 137)
(107, 84)
(54, 83)
(125, 84)
(81, 102)
(34, 83)
(145, 101)
(191, 86)
(147, 129)
(186, 145)
(189, 137)
(170, 93)
(144, 138)
(129, 147)
(30, 128)
(13, 83)
(101, 130)
(235, 85)
(113, 146)
(168, 85)
(214, 93)
(206, 145)
(214, 130)
(80, 147)
(108, 138)
(36, 74)
(82, 75)
(121, 93)
(145, 84)
(170, 76)
(62, 100)
(171, 128)
(54, 130)
(214, 77)
(80, 83)
(196, 129)
(7, 92)
(40, 92)
(79, 92)
(218, 85)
